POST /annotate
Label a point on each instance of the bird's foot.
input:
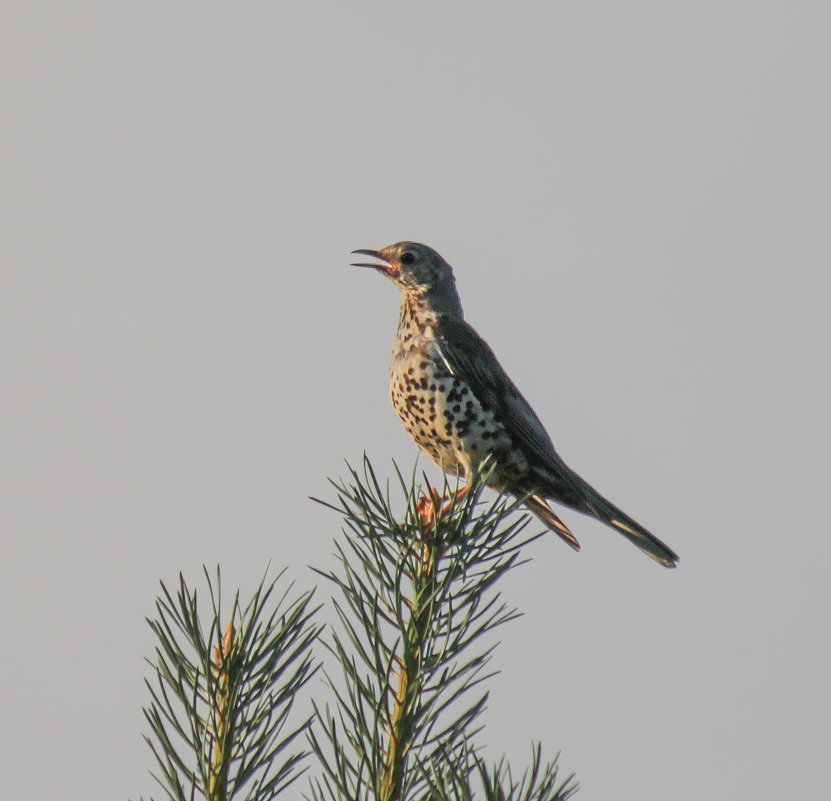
(433, 508)
(428, 505)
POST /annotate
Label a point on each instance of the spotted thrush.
(460, 406)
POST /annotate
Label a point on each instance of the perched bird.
(460, 406)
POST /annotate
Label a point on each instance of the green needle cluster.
(417, 605)
(220, 701)
(398, 715)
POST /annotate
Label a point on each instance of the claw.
(429, 504)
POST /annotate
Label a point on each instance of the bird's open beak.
(387, 267)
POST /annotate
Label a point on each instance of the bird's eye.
(407, 257)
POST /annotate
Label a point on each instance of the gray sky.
(635, 197)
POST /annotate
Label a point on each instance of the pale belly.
(440, 412)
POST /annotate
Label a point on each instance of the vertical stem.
(410, 676)
(222, 733)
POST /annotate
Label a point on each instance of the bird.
(457, 402)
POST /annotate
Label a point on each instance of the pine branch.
(454, 781)
(417, 607)
(222, 695)
(415, 602)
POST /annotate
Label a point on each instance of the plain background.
(635, 197)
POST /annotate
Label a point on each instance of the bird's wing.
(469, 358)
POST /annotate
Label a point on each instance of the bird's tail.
(605, 511)
(573, 491)
(544, 512)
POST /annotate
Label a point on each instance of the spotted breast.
(438, 409)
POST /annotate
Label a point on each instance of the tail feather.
(608, 513)
(647, 542)
(568, 488)
(545, 513)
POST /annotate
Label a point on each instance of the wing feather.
(471, 359)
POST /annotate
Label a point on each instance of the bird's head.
(418, 271)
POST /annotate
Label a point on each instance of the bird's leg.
(457, 496)
(429, 504)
